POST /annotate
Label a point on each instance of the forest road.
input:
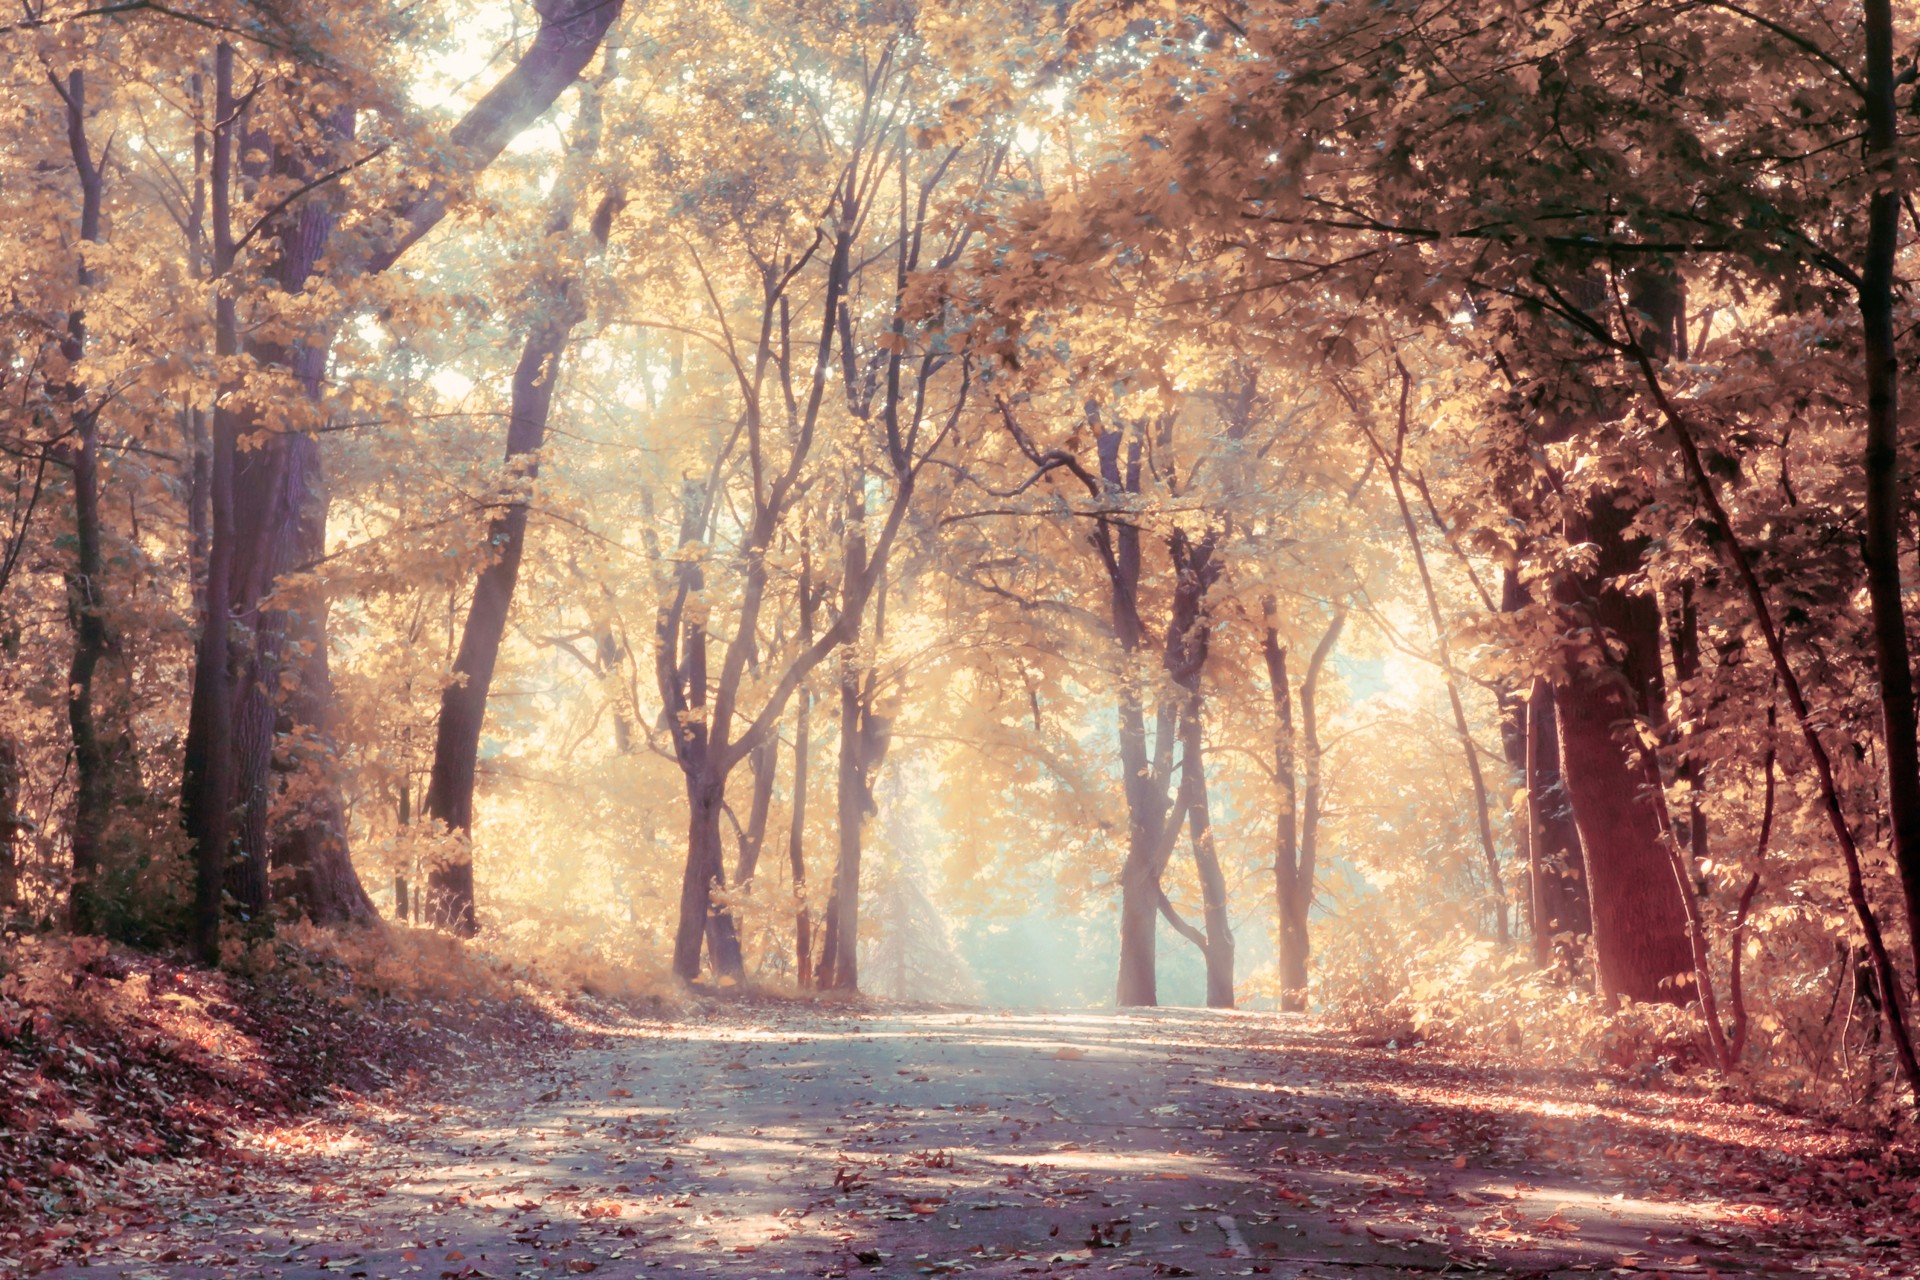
(790, 1140)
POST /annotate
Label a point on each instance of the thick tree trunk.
(92, 766)
(702, 871)
(1899, 724)
(1144, 775)
(1189, 635)
(310, 846)
(206, 784)
(1639, 918)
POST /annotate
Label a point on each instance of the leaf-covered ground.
(778, 1138)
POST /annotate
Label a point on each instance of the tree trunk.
(311, 846)
(1882, 461)
(1213, 885)
(1189, 635)
(569, 35)
(1311, 793)
(1139, 877)
(1288, 895)
(9, 828)
(1559, 889)
(796, 836)
(1144, 777)
(1639, 919)
(1689, 772)
(206, 785)
(840, 963)
(703, 870)
(463, 703)
(93, 789)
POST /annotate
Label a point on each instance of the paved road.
(789, 1141)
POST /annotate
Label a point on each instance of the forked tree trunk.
(569, 35)
(1639, 919)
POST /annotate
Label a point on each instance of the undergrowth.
(1463, 991)
(113, 1061)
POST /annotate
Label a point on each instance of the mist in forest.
(1399, 515)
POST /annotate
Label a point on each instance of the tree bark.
(1639, 920)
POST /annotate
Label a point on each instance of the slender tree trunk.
(1144, 777)
(1683, 644)
(1561, 906)
(1213, 884)
(1139, 877)
(1287, 890)
(1313, 789)
(1639, 919)
(463, 703)
(1539, 914)
(840, 963)
(797, 836)
(9, 828)
(93, 789)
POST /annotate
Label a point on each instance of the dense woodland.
(1402, 508)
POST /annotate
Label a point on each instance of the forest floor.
(763, 1137)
